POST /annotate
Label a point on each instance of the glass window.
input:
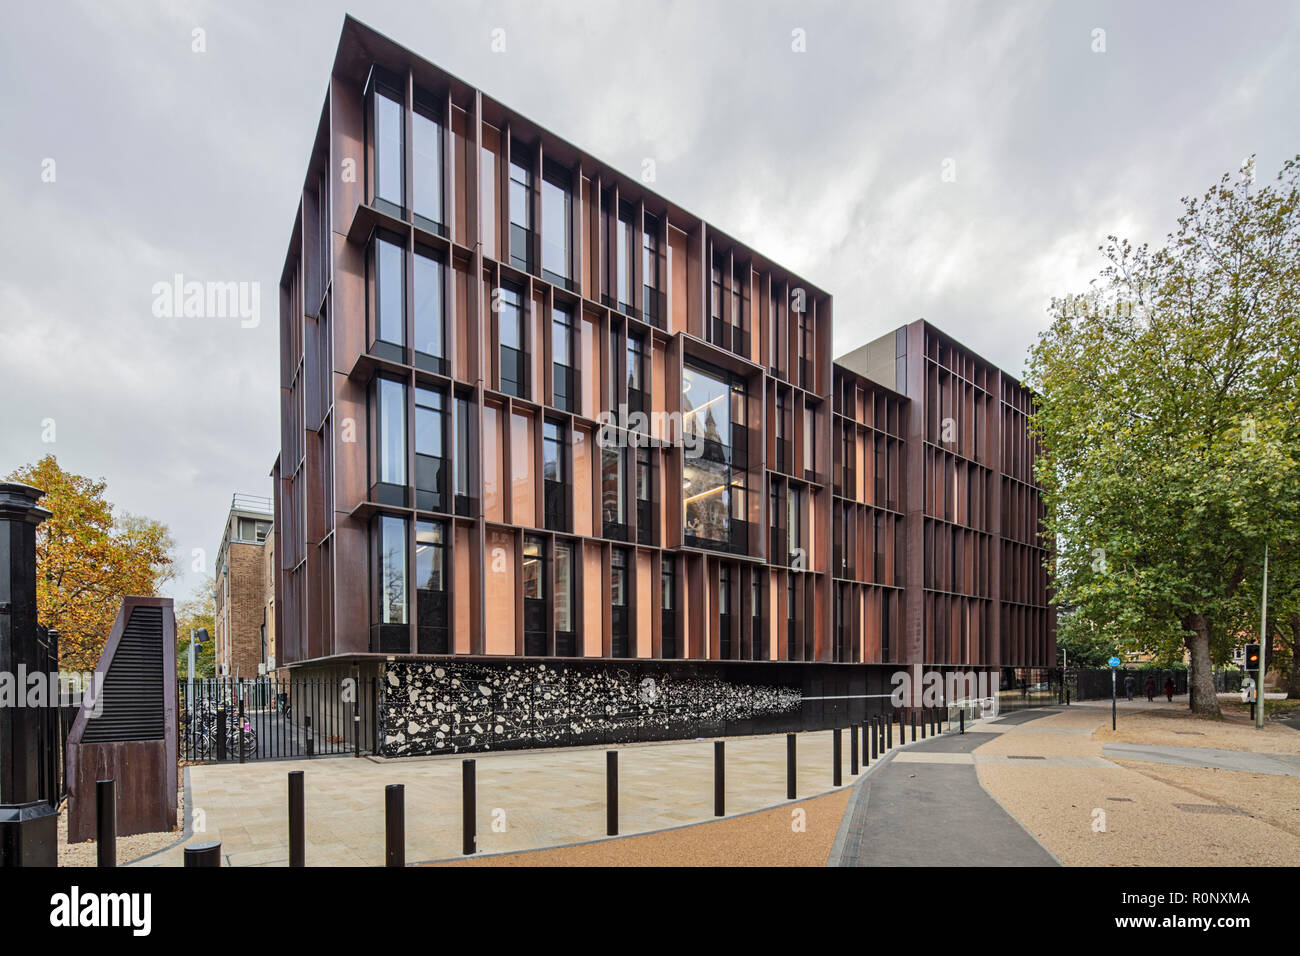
(624, 252)
(389, 141)
(650, 268)
(556, 224)
(705, 488)
(563, 587)
(705, 410)
(666, 582)
(392, 432)
(553, 452)
(635, 363)
(534, 569)
(427, 283)
(612, 486)
(562, 377)
(389, 321)
(390, 568)
(429, 556)
(618, 578)
(426, 147)
(428, 422)
(510, 319)
(462, 447)
(521, 210)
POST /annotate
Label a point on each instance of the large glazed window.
(387, 297)
(426, 177)
(510, 318)
(389, 604)
(431, 587)
(564, 624)
(563, 381)
(386, 130)
(613, 493)
(651, 298)
(427, 287)
(391, 450)
(713, 467)
(430, 438)
(556, 225)
(521, 210)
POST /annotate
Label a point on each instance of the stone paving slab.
(527, 799)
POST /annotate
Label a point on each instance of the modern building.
(241, 641)
(562, 462)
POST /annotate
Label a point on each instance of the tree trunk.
(1200, 675)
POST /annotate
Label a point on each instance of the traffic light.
(1252, 657)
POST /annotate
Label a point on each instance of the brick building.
(241, 598)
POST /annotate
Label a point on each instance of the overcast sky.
(830, 161)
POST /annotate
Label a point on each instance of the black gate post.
(311, 741)
(837, 755)
(28, 822)
(394, 825)
(468, 808)
(106, 822)
(789, 767)
(221, 734)
(239, 725)
(719, 784)
(611, 792)
(296, 821)
(356, 714)
(853, 749)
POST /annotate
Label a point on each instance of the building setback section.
(532, 410)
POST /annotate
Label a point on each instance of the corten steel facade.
(466, 299)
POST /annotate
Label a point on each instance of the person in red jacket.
(1169, 689)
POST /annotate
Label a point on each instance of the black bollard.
(297, 822)
(961, 720)
(394, 825)
(853, 750)
(837, 755)
(889, 734)
(203, 854)
(875, 737)
(789, 766)
(868, 735)
(469, 808)
(611, 792)
(913, 726)
(880, 734)
(106, 822)
(925, 718)
(221, 735)
(719, 778)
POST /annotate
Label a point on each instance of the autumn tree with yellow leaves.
(88, 558)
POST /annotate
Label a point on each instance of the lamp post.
(28, 824)
(1263, 645)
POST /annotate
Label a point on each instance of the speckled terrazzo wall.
(450, 707)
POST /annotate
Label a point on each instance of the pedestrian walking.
(1151, 689)
(1169, 689)
(1129, 684)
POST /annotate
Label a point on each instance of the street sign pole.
(1114, 663)
(1263, 648)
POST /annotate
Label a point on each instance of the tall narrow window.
(390, 457)
(521, 209)
(563, 384)
(613, 503)
(535, 580)
(724, 612)
(389, 594)
(388, 139)
(431, 588)
(668, 606)
(564, 624)
(636, 400)
(794, 524)
(624, 252)
(555, 476)
(465, 503)
(651, 298)
(426, 175)
(646, 525)
(620, 645)
(430, 432)
(387, 297)
(556, 224)
(510, 327)
(427, 285)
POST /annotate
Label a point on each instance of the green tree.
(1168, 421)
(88, 559)
(197, 611)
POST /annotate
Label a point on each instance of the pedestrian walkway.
(924, 806)
(527, 799)
(1211, 759)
